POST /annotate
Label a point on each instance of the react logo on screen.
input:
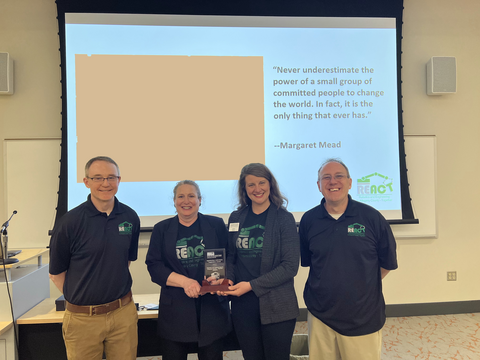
(375, 187)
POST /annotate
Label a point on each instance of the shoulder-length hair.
(259, 170)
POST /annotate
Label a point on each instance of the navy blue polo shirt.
(95, 250)
(344, 286)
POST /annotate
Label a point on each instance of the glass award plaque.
(215, 271)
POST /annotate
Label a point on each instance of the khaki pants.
(87, 337)
(326, 344)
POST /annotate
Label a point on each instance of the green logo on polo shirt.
(356, 230)
(125, 228)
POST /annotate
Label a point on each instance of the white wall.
(443, 28)
(28, 31)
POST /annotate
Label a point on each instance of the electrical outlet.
(451, 276)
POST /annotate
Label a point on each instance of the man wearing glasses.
(90, 252)
(349, 248)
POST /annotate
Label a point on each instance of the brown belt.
(100, 309)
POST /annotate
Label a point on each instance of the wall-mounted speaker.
(6, 74)
(442, 75)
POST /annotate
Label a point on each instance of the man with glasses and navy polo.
(349, 248)
(90, 252)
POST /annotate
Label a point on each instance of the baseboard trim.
(440, 308)
(423, 309)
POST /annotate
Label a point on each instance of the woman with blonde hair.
(187, 320)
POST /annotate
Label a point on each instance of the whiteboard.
(422, 177)
(32, 169)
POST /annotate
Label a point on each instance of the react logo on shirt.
(356, 230)
(245, 241)
(125, 228)
(185, 249)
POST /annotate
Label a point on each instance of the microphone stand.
(4, 251)
(4, 244)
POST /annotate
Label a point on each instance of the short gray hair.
(336, 160)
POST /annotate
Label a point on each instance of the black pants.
(173, 350)
(257, 341)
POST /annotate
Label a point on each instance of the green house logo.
(374, 184)
(125, 228)
(356, 230)
(189, 252)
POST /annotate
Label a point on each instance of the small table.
(45, 313)
(40, 330)
(23, 257)
(5, 326)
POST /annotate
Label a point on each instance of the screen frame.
(349, 8)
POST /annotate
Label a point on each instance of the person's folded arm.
(58, 280)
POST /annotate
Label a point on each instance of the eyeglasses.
(100, 179)
(337, 177)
